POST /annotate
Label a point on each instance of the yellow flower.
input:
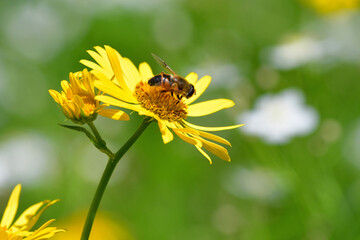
(128, 88)
(22, 226)
(77, 100)
(330, 6)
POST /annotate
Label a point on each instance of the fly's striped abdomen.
(159, 80)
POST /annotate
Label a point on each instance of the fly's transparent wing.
(163, 64)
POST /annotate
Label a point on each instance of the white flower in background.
(341, 34)
(278, 118)
(25, 157)
(296, 52)
(257, 184)
(330, 39)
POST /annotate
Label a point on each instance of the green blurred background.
(292, 68)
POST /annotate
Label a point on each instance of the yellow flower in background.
(330, 6)
(128, 88)
(77, 100)
(104, 228)
(21, 228)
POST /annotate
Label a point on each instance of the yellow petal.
(88, 82)
(212, 129)
(65, 85)
(74, 83)
(23, 221)
(103, 62)
(188, 139)
(114, 114)
(78, 101)
(118, 103)
(200, 88)
(4, 235)
(102, 53)
(11, 207)
(131, 74)
(114, 58)
(208, 107)
(145, 71)
(96, 67)
(216, 149)
(205, 135)
(55, 95)
(112, 89)
(192, 78)
(167, 136)
(204, 153)
(44, 232)
(103, 65)
(34, 219)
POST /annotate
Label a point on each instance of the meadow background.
(292, 68)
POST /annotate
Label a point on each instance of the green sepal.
(81, 129)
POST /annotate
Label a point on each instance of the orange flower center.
(159, 101)
(89, 105)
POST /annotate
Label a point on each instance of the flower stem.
(101, 144)
(106, 177)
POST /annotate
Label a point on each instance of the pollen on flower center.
(161, 103)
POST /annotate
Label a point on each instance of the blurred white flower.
(25, 158)
(341, 37)
(330, 39)
(258, 184)
(296, 52)
(278, 118)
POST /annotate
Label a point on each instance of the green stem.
(106, 177)
(101, 144)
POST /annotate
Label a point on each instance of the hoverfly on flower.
(138, 89)
(172, 83)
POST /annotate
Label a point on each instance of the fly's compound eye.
(191, 91)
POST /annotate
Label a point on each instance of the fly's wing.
(163, 64)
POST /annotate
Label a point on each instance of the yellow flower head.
(128, 87)
(331, 6)
(21, 228)
(77, 100)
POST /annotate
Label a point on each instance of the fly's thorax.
(180, 82)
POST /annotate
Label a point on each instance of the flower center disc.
(89, 105)
(160, 102)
